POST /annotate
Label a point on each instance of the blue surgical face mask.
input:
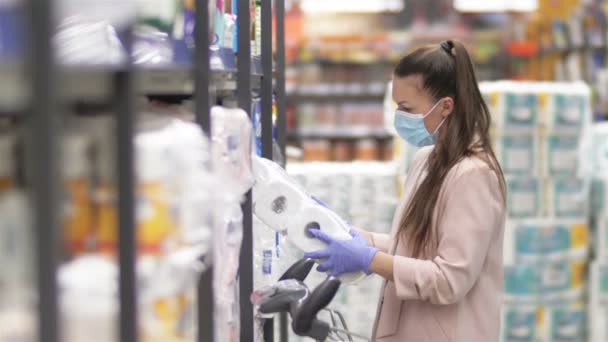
(412, 129)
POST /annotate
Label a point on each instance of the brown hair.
(447, 71)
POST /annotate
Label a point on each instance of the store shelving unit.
(37, 95)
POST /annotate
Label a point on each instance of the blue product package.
(517, 154)
(267, 261)
(523, 197)
(521, 110)
(569, 197)
(520, 325)
(569, 111)
(562, 155)
(11, 31)
(522, 282)
(568, 324)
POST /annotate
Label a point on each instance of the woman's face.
(410, 96)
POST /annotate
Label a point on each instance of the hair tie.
(447, 46)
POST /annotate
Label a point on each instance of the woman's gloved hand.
(343, 256)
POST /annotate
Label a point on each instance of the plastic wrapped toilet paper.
(266, 254)
(318, 217)
(524, 196)
(565, 107)
(518, 153)
(567, 197)
(520, 323)
(560, 155)
(277, 202)
(601, 238)
(521, 107)
(535, 240)
(598, 302)
(565, 322)
(232, 136)
(599, 196)
(546, 282)
(599, 148)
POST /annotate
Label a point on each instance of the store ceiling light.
(496, 5)
(351, 6)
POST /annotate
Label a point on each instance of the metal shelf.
(349, 133)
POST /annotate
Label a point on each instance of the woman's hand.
(343, 256)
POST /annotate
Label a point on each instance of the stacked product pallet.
(538, 134)
(598, 273)
(365, 195)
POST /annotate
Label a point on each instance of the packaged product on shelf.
(518, 153)
(342, 151)
(560, 155)
(565, 107)
(92, 280)
(536, 240)
(598, 302)
(316, 150)
(600, 148)
(78, 214)
(227, 237)
(567, 197)
(82, 41)
(547, 282)
(601, 237)
(17, 295)
(232, 137)
(367, 149)
(521, 323)
(524, 196)
(599, 196)
(7, 167)
(156, 225)
(11, 30)
(521, 108)
(565, 322)
(266, 253)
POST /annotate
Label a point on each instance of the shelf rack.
(37, 94)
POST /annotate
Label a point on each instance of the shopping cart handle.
(299, 270)
(304, 318)
(282, 301)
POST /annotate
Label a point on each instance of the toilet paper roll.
(521, 108)
(277, 202)
(316, 216)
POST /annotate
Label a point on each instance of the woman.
(442, 261)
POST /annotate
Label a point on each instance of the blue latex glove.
(343, 256)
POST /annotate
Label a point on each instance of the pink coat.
(455, 295)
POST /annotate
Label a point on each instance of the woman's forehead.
(407, 88)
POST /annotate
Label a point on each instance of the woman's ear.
(447, 106)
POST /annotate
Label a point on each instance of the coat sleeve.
(471, 216)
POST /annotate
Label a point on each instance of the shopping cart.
(291, 295)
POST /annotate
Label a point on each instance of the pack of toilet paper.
(521, 323)
(540, 240)
(547, 282)
(524, 196)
